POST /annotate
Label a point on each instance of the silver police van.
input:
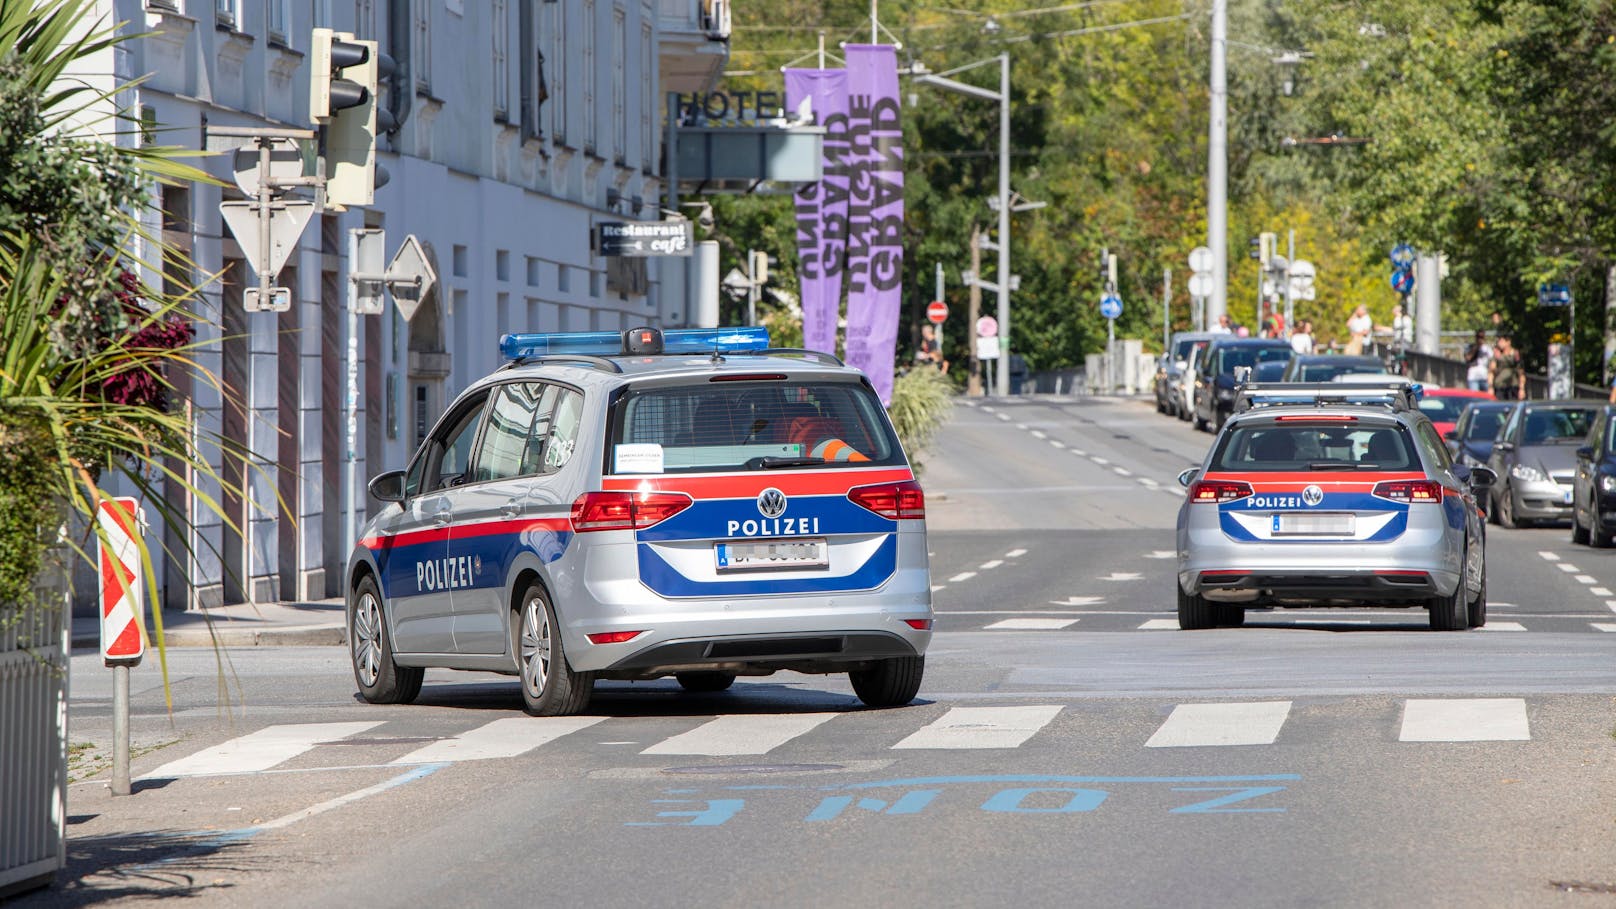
(645, 504)
(1331, 495)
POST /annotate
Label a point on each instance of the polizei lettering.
(444, 574)
(773, 527)
(1275, 502)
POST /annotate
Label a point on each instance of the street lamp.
(941, 80)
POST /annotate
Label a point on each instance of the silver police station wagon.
(1331, 495)
(643, 504)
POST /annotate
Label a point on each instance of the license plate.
(1314, 524)
(764, 555)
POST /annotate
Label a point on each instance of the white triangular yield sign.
(286, 225)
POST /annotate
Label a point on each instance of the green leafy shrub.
(922, 400)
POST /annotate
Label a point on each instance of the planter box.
(34, 650)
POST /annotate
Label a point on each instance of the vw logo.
(771, 503)
(1312, 496)
(476, 564)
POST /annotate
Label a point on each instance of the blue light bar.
(610, 343)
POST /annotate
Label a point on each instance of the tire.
(1477, 613)
(1228, 616)
(705, 682)
(1184, 412)
(1222, 418)
(1451, 613)
(370, 648)
(1506, 509)
(1200, 424)
(1597, 538)
(1579, 533)
(1195, 613)
(890, 683)
(549, 685)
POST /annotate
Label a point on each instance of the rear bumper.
(1321, 585)
(765, 653)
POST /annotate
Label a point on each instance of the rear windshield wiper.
(770, 462)
(1342, 465)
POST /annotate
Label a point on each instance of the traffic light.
(342, 102)
(1267, 241)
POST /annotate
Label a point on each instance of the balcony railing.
(709, 17)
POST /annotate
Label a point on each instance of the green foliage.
(922, 400)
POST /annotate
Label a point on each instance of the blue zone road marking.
(1047, 795)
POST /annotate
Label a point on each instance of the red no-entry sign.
(937, 311)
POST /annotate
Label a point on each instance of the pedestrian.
(1507, 376)
(1302, 337)
(1402, 328)
(929, 352)
(1223, 327)
(1498, 324)
(1359, 325)
(1478, 362)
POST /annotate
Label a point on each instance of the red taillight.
(613, 637)
(901, 501)
(625, 510)
(918, 624)
(1410, 491)
(1213, 492)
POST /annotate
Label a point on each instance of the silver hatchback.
(648, 504)
(1331, 495)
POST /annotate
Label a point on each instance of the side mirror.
(389, 487)
(1482, 476)
(1503, 446)
(1451, 435)
(1188, 476)
(1586, 453)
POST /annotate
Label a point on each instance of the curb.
(295, 636)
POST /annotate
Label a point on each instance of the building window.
(280, 21)
(619, 85)
(502, 264)
(589, 75)
(421, 44)
(558, 71)
(224, 12)
(648, 96)
(502, 60)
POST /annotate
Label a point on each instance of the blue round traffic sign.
(1402, 280)
(1402, 255)
(1110, 306)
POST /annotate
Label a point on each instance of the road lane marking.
(1567, 567)
(1122, 576)
(1080, 452)
(1077, 601)
(1549, 556)
(1148, 481)
(1601, 592)
(1036, 433)
(259, 750)
(1195, 725)
(1160, 625)
(990, 564)
(1465, 720)
(982, 727)
(1122, 471)
(290, 819)
(1015, 553)
(1099, 460)
(741, 734)
(1022, 612)
(504, 738)
(1611, 605)
(1502, 626)
(1031, 625)
(937, 587)
(1021, 426)
(1002, 416)
(1586, 579)
(1162, 554)
(962, 576)
(1057, 443)
(1603, 626)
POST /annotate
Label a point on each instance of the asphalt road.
(1069, 747)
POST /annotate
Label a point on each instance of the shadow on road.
(160, 865)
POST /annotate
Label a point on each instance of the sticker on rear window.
(638, 457)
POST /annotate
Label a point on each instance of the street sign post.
(123, 610)
(987, 327)
(936, 312)
(267, 233)
(1403, 256)
(1402, 281)
(410, 276)
(1553, 295)
(1111, 306)
(640, 239)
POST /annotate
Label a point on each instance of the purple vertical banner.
(822, 206)
(874, 212)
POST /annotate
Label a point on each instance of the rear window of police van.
(730, 426)
(1324, 445)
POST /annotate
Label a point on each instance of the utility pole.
(973, 381)
(1290, 298)
(1002, 380)
(939, 298)
(1217, 166)
(1167, 309)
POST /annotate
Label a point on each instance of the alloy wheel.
(535, 646)
(367, 639)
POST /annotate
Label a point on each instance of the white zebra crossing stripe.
(1031, 625)
(741, 734)
(1465, 720)
(982, 727)
(1502, 626)
(1160, 625)
(500, 739)
(1192, 725)
(1603, 626)
(259, 750)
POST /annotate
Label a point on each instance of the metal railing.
(34, 650)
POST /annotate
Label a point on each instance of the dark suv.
(1215, 381)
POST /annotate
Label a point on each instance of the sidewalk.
(289, 624)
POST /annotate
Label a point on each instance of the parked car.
(1471, 439)
(1593, 489)
(1215, 379)
(1170, 368)
(1269, 371)
(1443, 405)
(1325, 367)
(1535, 459)
(1186, 382)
